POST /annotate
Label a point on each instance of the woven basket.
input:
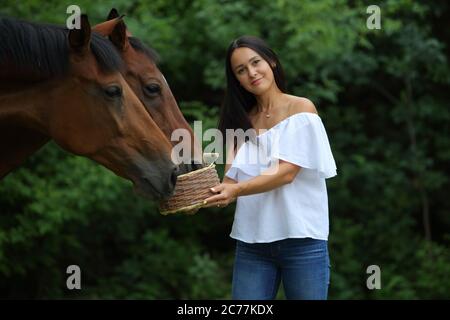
(191, 190)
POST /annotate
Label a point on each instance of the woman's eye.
(240, 71)
(113, 91)
(256, 61)
(152, 89)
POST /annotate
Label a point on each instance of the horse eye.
(113, 91)
(152, 89)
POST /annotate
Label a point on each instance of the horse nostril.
(174, 175)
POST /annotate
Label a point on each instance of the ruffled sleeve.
(302, 140)
(232, 173)
(248, 161)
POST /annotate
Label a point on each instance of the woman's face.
(251, 70)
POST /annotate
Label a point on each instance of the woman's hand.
(226, 193)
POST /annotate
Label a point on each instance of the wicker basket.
(191, 190)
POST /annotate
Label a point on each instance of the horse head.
(87, 108)
(150, 85)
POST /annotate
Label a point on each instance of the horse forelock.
(139, 46)
(42, 49)
(106, 53)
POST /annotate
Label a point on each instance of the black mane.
(43, 48)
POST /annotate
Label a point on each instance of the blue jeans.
(302, 265)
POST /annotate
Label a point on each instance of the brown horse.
(149, 84)
(66, 85)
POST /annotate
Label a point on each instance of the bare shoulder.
(301, 104)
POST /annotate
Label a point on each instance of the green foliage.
(163, 268)
(382, 94)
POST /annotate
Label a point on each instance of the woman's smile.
(256, 82)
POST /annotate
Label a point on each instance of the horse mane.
(43, 49)
(138, 45)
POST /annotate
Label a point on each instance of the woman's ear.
(273, 64)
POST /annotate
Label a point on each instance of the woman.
(281, 218)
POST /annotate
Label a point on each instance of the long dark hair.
(238, 102)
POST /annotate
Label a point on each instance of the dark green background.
(383, 96)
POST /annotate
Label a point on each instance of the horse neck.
(28, 106)
(22, 125)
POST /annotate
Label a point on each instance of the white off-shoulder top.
(295, 210)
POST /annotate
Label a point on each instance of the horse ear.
(113, 14)
(79, 39)
(106, 28)
(119, 36)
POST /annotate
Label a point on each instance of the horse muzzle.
(156, 181)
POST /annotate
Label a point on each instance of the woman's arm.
(227, 192)
(285, 174)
